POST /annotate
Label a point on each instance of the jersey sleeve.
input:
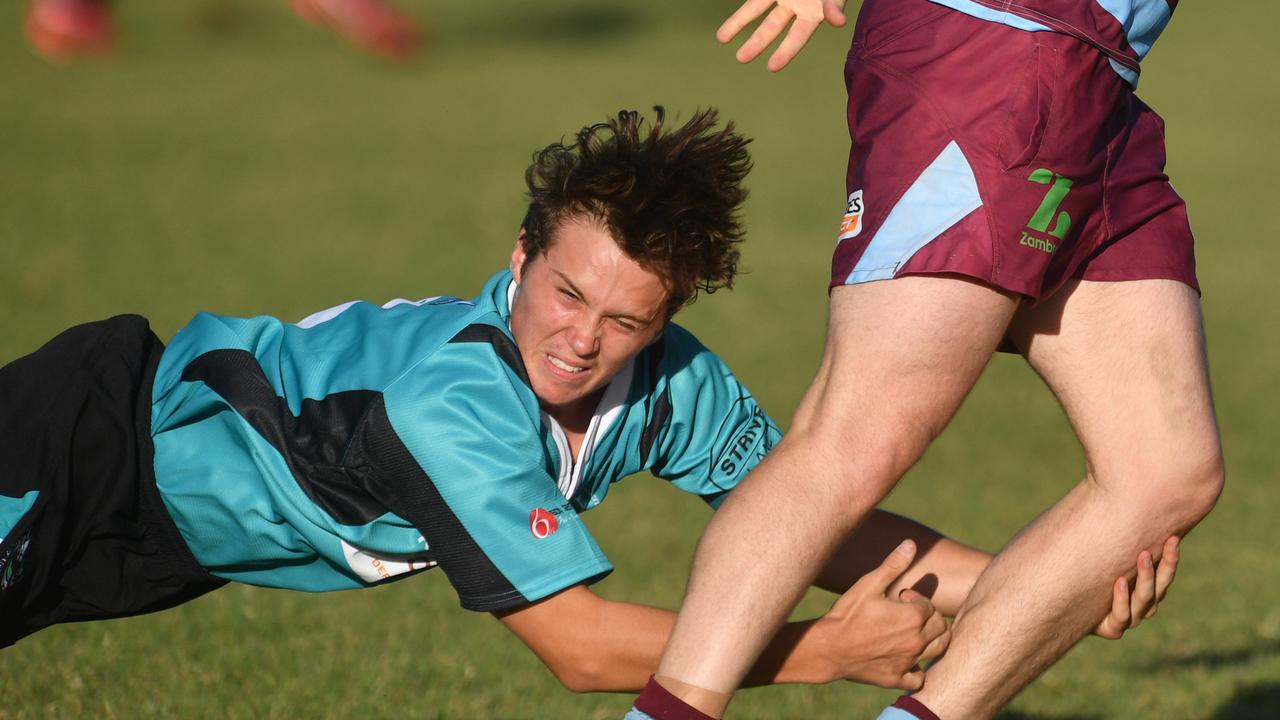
(494, 519)
(715, 431)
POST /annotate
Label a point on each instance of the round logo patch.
(542, 523)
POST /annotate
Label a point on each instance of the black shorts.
(97, 542)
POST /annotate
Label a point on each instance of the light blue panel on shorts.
(637, 715)
(943, 194)
(1128, 74)
(1143, 21)
(13, 508)
(1004, 17)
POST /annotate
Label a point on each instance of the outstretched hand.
(1128, 610)
(883, 640)
(804, 16)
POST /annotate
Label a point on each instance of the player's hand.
(804, 16)
(882, 640)
(1129, 609)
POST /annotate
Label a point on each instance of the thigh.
(90, 538)
(901, 355)
(1127, 362)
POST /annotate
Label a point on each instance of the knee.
(1199, 486)
(1183, 487)
(859, 460)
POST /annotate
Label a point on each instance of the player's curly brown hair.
(669, 198)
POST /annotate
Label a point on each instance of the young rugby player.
(367, 443)
(1005, 186)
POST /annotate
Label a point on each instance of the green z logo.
(1058, 188)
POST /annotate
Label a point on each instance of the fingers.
(1143, 599)
(833, 11)
(1116, 622)
(912, 680)
(766, 32)
(934, 629)
(750, 10)
(807, 16)
(1129, 609)
(801, 31)
(877, 582)
(1166, 571)
(935, 632)
(939, 643)
(894, 564)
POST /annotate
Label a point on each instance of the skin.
(799, 18)
(585, 304)
(1127, 362)
(1162, 473)
(1153, 465)
(582, 310)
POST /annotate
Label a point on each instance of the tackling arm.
(866, 637)
(944, 569)
(877, 632)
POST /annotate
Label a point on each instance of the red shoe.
(64, 29)
(371, 25)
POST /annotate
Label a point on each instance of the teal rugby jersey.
(292, 455)
(1123, 29)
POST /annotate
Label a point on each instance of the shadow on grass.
(1252, 702)
(1213, 658)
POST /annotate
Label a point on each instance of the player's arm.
(945, 570)
(803, 17)
(867, 636)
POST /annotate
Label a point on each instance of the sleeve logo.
(851, 223)
(748, 443)
(542, 523)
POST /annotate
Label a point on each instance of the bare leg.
(1127, 362)
(901, 355)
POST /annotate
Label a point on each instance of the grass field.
(229, 158)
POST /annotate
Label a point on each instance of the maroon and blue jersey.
(1124, 30)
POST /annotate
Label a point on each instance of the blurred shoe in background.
(65, 29)
(371, 25)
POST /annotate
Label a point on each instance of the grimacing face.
(582, 309)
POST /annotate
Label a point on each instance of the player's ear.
(518, 256)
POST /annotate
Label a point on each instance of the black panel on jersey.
(661, 411)
(345, 455)
(313, 443)
(504, 346)
(661, 406)
(380, 453)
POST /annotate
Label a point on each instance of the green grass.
(229, 158)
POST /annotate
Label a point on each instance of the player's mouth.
(562, 368)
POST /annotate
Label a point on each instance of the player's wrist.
(831, 647)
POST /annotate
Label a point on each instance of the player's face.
(582, 310)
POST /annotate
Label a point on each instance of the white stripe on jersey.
(607, 411)
(326, 315)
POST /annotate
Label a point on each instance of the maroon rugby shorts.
(1017, 158)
